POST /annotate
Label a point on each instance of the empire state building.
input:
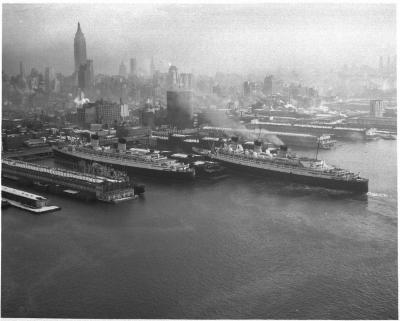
(79, 49)
(84, 76)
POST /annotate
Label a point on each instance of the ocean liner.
(280, 163)
(134, 161)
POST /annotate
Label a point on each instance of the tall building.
(21, 70)
(133, 67)
(101, 112)
(173, 77)
(79, 48)
(152, 68)
(246, 89)
(267, 87)
(122, 70)
(49, 79)
(180, 109)
(86, 76)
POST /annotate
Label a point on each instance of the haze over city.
(199, 38)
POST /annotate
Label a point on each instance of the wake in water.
(383, 195)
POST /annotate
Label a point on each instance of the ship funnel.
(283, 150)
(122, 145)
(94, 139)
(234, 140)
(257, 146)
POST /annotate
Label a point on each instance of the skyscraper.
(21, 69)
(133, 67)
(49, 79)
(85, 76)
(79, 48)
(268, 85)
(122, 70)
(152, 68)
(172, 77)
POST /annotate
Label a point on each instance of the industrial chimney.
(94, 139)
(122, 145)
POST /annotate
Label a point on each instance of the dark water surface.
(235, 248)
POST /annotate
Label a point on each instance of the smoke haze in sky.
(203, 38)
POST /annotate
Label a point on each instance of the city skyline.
(204, 38)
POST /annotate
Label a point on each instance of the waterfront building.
(376, 108)
(180, 109)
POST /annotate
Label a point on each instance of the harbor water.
(239, 247)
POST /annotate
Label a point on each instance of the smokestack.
(121, 145)
(94, 139)
(283, 150)
(257, 146)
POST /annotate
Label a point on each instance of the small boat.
(370, 134)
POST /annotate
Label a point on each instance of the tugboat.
(370, 134)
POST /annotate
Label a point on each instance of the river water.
(235, 248)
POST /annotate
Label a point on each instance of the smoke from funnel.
(80, 100)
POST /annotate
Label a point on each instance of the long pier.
(300, 129)
(87, 185)
(30, 153)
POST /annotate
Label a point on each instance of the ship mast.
(316, 155)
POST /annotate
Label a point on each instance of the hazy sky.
(201, 38)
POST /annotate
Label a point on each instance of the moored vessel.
(278, 162)
(136, 161)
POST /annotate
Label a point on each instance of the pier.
(86, 186)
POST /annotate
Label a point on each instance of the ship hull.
(129, 168)
(354, 186)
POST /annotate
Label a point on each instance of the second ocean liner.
(283, 165)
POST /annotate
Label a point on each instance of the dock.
(71, 183)
(27, 201)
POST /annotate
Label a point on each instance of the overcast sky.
(201, 38)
